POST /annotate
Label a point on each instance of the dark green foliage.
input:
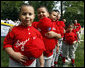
(74, 10)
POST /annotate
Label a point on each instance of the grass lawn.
(79, 61)
(4, 56)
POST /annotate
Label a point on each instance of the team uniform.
(76, 45)
(45, 25)
(69, 47)
(26, 40)
(78, 28)
(77, 31)
(57, 30)
(61, 26)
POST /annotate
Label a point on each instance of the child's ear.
(34, 15)
(48, 14)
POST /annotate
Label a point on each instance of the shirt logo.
(49, 29)
(18, 43)
(54, 28)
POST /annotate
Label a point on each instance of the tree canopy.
(72, 9)
(9, 9)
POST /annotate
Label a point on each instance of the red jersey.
(61, 26)
(70, 37)
(78, 26)
(74, 30)
(45, 25)
(26, 40)
(60, 23)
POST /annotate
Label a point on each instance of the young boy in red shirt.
(70, 39)
(61, 26)
(24, 43)
(53, 16)
(48, 31)
(77, 27)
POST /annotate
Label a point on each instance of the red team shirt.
(61, 26)
(70, 37)
(45, 25)
(78, 27)
(26, 40)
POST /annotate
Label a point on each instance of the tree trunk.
(61, 9)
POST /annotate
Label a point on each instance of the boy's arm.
(74, 42)
(57, 48)
(7, 46)
(41, 60)
(52, 34)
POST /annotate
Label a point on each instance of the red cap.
(34, 49)
(44, 23)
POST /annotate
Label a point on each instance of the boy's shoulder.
(16, 28)
(34, 24)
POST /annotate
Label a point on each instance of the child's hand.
(74, 42)
(19, 57)
(64, 31)
(50, 34)
(78, 41)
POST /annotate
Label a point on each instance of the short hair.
(54, 11)
(25, 5)
(43, 7)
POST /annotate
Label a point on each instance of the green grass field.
(79, 61)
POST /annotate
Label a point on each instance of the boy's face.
(58, 16)
(42, 12)
(27, 15)
(70, 28)
(75, 21)
(54, 16)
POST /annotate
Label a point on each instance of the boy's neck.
(70, 31)
(27, 25)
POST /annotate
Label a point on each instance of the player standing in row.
(61, 27)
(70, 39)
(24, 43)
(53, 16)
(48, 31)
(77, 28)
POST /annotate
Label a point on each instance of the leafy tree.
(74, 10)
(9, 9)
